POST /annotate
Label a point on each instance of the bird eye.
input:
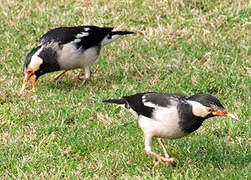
(210, 110)
(29, 70)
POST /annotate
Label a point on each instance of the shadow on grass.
(65, 85)
(76, 84)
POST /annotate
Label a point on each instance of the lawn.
(63, 130)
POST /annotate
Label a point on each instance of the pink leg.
(59, 75)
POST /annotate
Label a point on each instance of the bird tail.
(116, 101)
(112, 36)
(121, 32)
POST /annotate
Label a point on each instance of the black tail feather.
(121, 32)
(115, 101)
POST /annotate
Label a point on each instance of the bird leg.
(87, 75)
(59, 75)
(163, 147)
(82, 79)
(166, 160)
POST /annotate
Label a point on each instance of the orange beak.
(26, 79)
(225, 113)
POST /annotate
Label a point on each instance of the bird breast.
(71, 58)
(164, 123)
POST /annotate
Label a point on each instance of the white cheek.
(198, 109)
(35, 63)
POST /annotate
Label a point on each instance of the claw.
(167, 161)
(164, 161)
(80, 78)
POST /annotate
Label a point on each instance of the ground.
(63, 130)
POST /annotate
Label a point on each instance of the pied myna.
(170, 116)
(66, 48)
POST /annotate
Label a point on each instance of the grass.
(64, 130)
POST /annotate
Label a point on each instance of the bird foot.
(81, 78)
(165, 161)
(85, 80)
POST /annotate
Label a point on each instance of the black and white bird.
(66, 48)
(170, 116)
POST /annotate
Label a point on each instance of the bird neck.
(50, 63)
(188, 121)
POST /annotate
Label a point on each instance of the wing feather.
(161, 100)
(82, 36)
(147, 103)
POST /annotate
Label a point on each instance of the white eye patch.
(36, 61)
(198, 109)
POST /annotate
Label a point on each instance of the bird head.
(206, 106)
(32, 67)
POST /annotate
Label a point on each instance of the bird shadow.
(66, 85)
(74, 83)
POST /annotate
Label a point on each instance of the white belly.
(165, 124)
(72, 58)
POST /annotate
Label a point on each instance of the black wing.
(87, 36)
(136, 103)
(145, 103)
(162, 99)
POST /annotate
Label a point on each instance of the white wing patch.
(151, 104)
(87, 29)
(82, 34)
(163, 113)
